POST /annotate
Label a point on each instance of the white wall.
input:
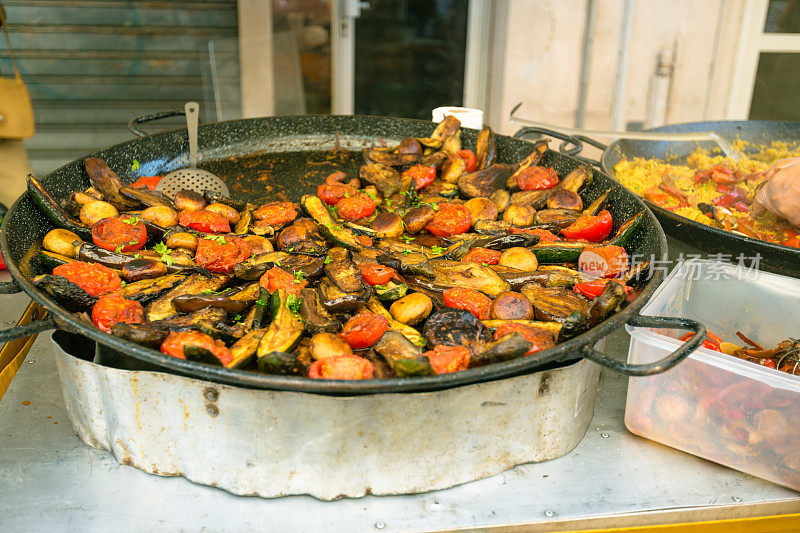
(543, 40)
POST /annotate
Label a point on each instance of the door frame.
(752, 42)
(476, 61)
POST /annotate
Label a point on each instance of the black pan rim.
(572, 349)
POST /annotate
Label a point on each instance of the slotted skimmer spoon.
(192, 178)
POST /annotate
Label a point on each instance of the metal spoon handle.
(192, 110)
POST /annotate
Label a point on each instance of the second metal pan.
(730, 246)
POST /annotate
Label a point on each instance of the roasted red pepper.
(592, 228)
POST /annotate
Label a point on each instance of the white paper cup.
(469, 118)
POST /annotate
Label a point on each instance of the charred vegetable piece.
(340, 235)
(482, 183)
(243, 351)
(215, 197)
(148, 289)
(413, 366)
(576, 180)
(564, 199)
(139, 269)
(383, 177)
(559, 218)
(557, 304)
(627, 230)
(505, 348)
(390, 291)
(393, 346)
(345, 275)
(195, 284)
(140, 334)
(599, 204)
(54, 211)
(66, 293)
(233, 300)
(315, 318)
(454, 327)
(388, 157)
(532, 159)
(49, 260)
(254, 267)
(408, 332)
(537, 199)
(336, 301)
(471, 275)
(108, 183)
(146, 197)
(245, 220)
(285, 329)
(612, 297)
(485, 148)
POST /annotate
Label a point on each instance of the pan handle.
(576, 141)
(134, 122)
(661, 365)
(36, 326)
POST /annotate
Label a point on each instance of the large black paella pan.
(285, 157)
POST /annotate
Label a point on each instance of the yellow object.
(13, 353)
(763, 524)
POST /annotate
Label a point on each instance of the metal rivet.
(211, 394)
(604, 435)
(549, 514)
(736, 499)
(379, 524)
(212, 410)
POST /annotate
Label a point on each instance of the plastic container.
(718, 407)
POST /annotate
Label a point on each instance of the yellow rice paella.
(713, 189)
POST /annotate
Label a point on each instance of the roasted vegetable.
(66, 293)
(107, 183)
(484, 182)
(454, 327)
(54, 211)
(472, 275)
(193, 285)
(285, 329)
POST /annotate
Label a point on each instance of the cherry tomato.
(113, 308)
(446, 359)
(537, 178)
(450, 219)
(125, 233)
(275, 213)
(593, 289)
(469, 158)
(539, 339)
(364, 240)
(205, 221)
(592, 228)
(341, 367)
(94, 278)
(277, 278)
(543, 234)
(709, 343)
(483, 255)
(364, 329)
(423, 175)
(174, 343)
(375, 273)
(355, 207)
(333, 192)
(603, 261)
(220, 254)
(148, 182)
(470, 300)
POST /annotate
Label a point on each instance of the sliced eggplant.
(532, 159)
(390, 291)
(485, 148)
(146, 197)
(556, 304)
(315, 317)
(143, 268)
(388, 157)
(505, 348)
(336, 301)
(535, 199)
(254, 267)
(453, 169)
(471, 275)
(280, 363)
(140, 334)
(454, 327)
(564, 199)
(560, 218)
(383, 177)
(340, 235)
(195, 284)
(484, 182)
(108, 183)
(598, 205)
(69, 295)
(578, 179)
(343, 272)
(612, 297)
(147, 290)
(417, 218)
(233, 301)
(393, 346)
(54, 211)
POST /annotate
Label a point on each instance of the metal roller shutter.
(92, 65)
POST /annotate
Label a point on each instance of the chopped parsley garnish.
(119, 248)
(380, 287)
(406, 238)
(371, 195)
(347, 195)
(132, 220)
(327, 260)
(298, 277)
(293, 304)
(123, 283)
(167, 260)
(237, 318)
(209, 291)
(137, 255)
(437, 249)
(406, 252)
(219, 239)
(161, 248)
(135, 165)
